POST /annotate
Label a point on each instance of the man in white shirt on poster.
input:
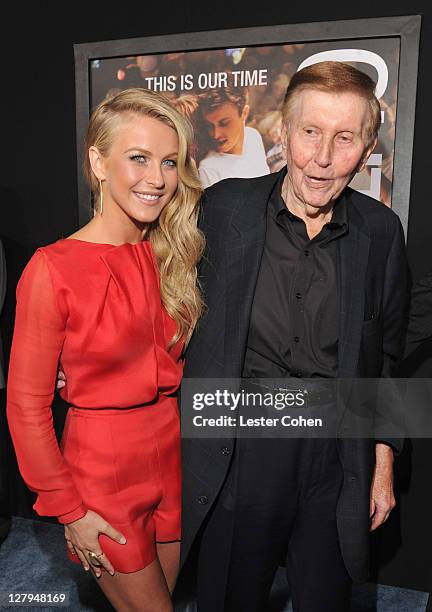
(238, 150)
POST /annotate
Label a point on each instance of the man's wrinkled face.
(325, 146)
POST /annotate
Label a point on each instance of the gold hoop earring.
(100, 197)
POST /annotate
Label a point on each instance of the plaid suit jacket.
(373, 295)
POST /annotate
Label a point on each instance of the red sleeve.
(37, 343)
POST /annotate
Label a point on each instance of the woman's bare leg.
(169, 557)
(142, 591)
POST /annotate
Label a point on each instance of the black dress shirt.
(294, 326)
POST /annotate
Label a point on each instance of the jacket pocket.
(371, 326)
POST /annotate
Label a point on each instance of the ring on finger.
(94, 558)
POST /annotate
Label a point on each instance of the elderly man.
(303, 277)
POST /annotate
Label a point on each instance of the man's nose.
(323, 153)
(211, 130)
(217, 133)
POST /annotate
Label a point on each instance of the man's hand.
(382, 500)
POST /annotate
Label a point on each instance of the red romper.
(96, 308)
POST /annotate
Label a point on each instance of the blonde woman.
(114, 304)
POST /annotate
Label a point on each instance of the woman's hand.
(82, 537)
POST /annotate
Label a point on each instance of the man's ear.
(366, 155)
(97, 163)
(284, 136)
(245, 112)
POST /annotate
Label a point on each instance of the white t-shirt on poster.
(252, 162)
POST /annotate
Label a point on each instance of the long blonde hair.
(177, 242)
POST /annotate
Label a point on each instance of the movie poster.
(233, 98)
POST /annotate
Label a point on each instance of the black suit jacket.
(372, 294)
(419, 321)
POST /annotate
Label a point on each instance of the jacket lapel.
(353, 257)
(244, 249)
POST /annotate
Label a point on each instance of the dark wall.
(38, 177)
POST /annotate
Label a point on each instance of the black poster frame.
(407, 28)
